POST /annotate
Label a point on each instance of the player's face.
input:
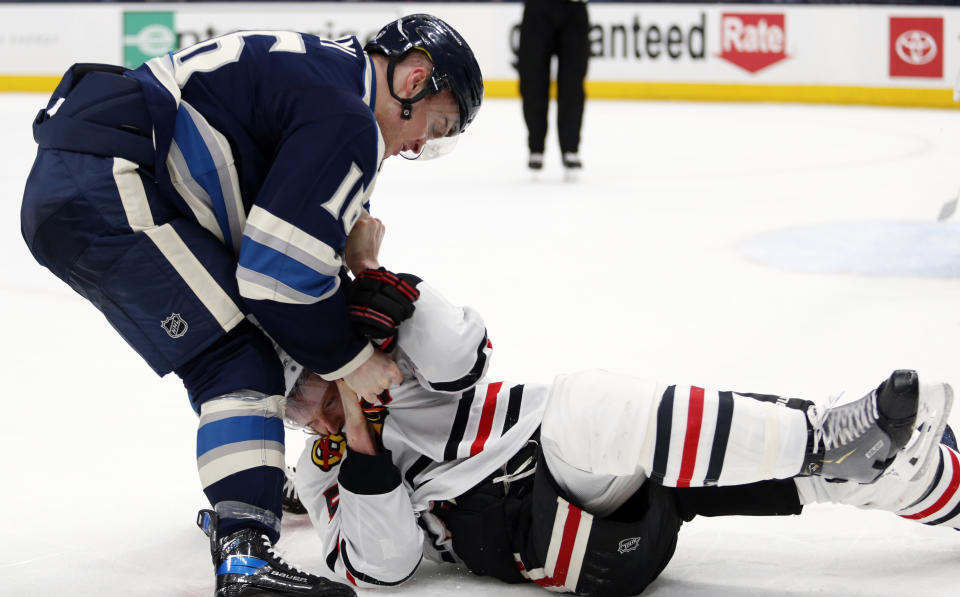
(316, 405)
(434, 118)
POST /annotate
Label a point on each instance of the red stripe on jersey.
(692, 439)
(486, 418)
(570, 528)
(947, 495)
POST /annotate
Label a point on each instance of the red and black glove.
(379, 301)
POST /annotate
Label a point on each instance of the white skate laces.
(277, 557)
(844, 425)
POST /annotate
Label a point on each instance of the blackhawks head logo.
(328, 450)
(375, 415)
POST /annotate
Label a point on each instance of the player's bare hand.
(362, 250)
(374, 376)
(355, 423)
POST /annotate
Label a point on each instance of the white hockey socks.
(940, 503)
(933, 498)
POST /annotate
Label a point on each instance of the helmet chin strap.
(406, 103)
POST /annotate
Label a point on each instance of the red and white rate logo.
(753, 41)
(916, 47)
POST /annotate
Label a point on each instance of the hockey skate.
(247, 566)
(571, 166)
(535, 162)
(859, 440)
(930, 497)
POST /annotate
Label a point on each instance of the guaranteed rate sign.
(753, 41)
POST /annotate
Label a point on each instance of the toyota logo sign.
(916, 47)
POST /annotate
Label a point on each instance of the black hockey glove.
(379, 301)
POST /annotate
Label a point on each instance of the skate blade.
(932, 414)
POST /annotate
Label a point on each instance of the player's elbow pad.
(472, 366)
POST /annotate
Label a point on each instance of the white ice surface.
(746, 246)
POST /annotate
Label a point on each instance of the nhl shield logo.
(175, 326)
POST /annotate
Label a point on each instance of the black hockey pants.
(530, 531)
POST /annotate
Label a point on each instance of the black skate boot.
(247, 566)
(571, 166)
(291, 499)
(859, 440)
(536, 160)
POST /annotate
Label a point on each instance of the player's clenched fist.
(374, 376)
(380, 300)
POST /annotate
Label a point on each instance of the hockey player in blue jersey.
(202, 202)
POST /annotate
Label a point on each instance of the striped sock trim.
(942, 504)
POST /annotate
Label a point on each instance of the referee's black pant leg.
(533, 63)
(573, 52)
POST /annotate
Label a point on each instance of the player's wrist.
(357, 264)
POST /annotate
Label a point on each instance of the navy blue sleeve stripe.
(459, 424)
(470, 378)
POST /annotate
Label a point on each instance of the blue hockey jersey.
(268, 140)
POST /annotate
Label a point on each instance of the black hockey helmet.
(454, 65)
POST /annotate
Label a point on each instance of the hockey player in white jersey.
(581, 486)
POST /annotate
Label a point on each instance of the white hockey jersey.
(445, 431)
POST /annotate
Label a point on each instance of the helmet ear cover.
(431, 87)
